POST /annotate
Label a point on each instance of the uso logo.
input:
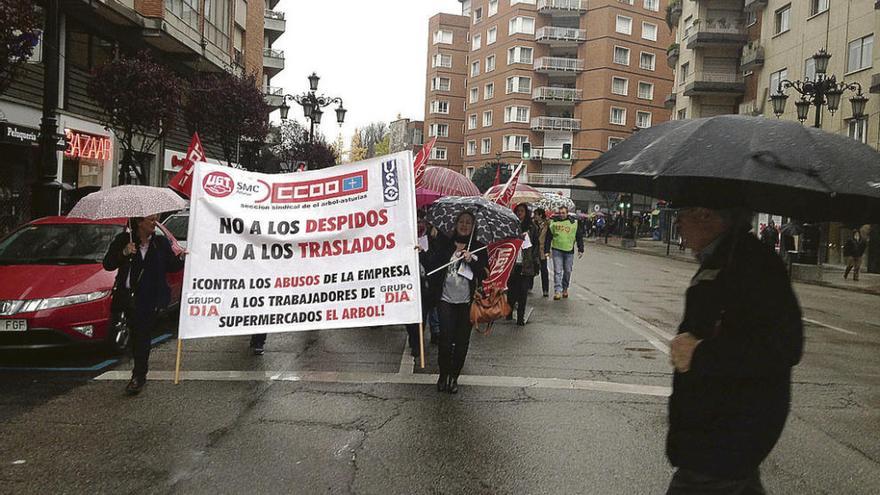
(390, 184)
(218, 184)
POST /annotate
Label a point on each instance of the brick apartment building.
(231, 35)
(547, 72)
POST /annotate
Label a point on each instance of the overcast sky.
(371, 53)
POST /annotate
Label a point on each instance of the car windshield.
(177, 225)
(57, 244)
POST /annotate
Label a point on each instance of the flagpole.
(507, 184)
(453, 261)
(177, 364)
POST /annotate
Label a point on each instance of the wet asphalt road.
(572, 403)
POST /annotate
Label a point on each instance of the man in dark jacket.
(740, 336)
(853, 250)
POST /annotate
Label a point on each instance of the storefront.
(87, 161)
(19, 159)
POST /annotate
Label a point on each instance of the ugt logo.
(390, 183)
(218, 184)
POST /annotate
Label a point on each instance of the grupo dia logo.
(218, 184)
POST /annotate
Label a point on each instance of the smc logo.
(218, 184)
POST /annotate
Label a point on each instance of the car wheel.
(118, 334)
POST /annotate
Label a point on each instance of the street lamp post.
(822, 90)
(312, 105)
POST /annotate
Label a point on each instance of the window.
(478, 14)
(818, 6)
(489, 91)
(477, 42)
(472, 122)
(440, 84)
(493, 7)
(684, 72)
(439, 130)
(775, 79)
(649, 31)
(513, 143)
(621, 55)
(440, 106)
(471, 148)
(514, 2)
(628, 2)
(783, 19)
(751, 17)
(624, 24)
(438, 153)
(646, 90)
(516, 114)
(858, 129)
(443, 36)
(809, 69)
(860, 54)
(618, 116)
(519, 84)
(521, 25)
(619, 86)
(442, 60)
(652, 5)
(486, 146)
(614, 141)
(475, 95)
(491, 35)
(643, 119)
(682, 114)
(490, 63)
(647, 61)
(475, 68)
(487, 118)
(519, 55)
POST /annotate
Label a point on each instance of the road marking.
(406, 361)
(621, 265)
(397, 378)
(98, 367)
(650, 337)
(831, 327)
(641, 327)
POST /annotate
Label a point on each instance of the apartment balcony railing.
(875, 81)
(728, 82)
(273, 95)
(752, 57)
(555, 124)
(560, 35)
(274, 24)
(562, 7)
(549, 179)
(273, 60)
(755, 4)
(715, 32)
(550, 155)
(273, 14)
(672, 54)
(547, 94)
(559, 64)
(670, 100)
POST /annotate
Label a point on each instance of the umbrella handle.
(453, 261)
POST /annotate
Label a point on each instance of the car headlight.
(9, 308)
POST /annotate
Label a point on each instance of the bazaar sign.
(82, 145)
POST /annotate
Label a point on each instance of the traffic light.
(566, 151)
(526, 151)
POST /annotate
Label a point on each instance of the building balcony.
(550, 155)
(549, 65)
(274, 96)
(560, 36)
(672, 54)
(705, 83)
(716, 32)
(549, 179)
(673, 13)
(752, 57)
(875, 81)
(274, 24)
(670, 100)
(557, 95)
(755, 5)
(273, 61)
(555, 124)
(562, 7)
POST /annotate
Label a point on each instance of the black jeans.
(518, 291)
(258, 340)
(688, 482)
(142, 324)
(455, 336)
(545, 277)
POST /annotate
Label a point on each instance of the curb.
(861, 290)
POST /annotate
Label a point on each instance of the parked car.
(55, 291)
(178, 224)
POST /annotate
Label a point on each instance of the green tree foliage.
(484, 176)
(19, 34)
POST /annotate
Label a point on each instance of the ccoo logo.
(218, 184)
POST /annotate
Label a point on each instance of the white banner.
(332, 248)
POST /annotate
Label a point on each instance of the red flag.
(497, 176)
(507, 195)
(196, 153)
(502, 257)
(421, 160)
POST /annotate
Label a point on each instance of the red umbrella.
(448, 183)
(424, 197)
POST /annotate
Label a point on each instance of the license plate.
(13, 325)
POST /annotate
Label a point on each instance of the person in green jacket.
(563, 233)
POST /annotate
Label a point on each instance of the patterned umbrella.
(126, 202)
(552, 202)
(448, 183)
(522, 194)
(493, 221)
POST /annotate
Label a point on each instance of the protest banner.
(325, 249)
(181, 182)
(421, 161)
(502, 257)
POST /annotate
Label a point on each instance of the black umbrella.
(792, 229)
(766, 165)
(493, 222)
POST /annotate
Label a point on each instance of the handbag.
(489, 306)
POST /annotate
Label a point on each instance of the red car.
(54, 290)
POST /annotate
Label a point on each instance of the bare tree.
(371, 135)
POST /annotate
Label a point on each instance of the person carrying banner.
(141, 289)
(453, 289)
(523, 274)
(540, 222)
(425, 246)
(563, 232)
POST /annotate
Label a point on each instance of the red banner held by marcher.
(502, 257)
(421, 160)
(507, 195)
(497, 176)
(196, 153)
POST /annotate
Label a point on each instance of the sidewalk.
(830, 276)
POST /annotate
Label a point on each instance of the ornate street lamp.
(820, 91)
(312, 105)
